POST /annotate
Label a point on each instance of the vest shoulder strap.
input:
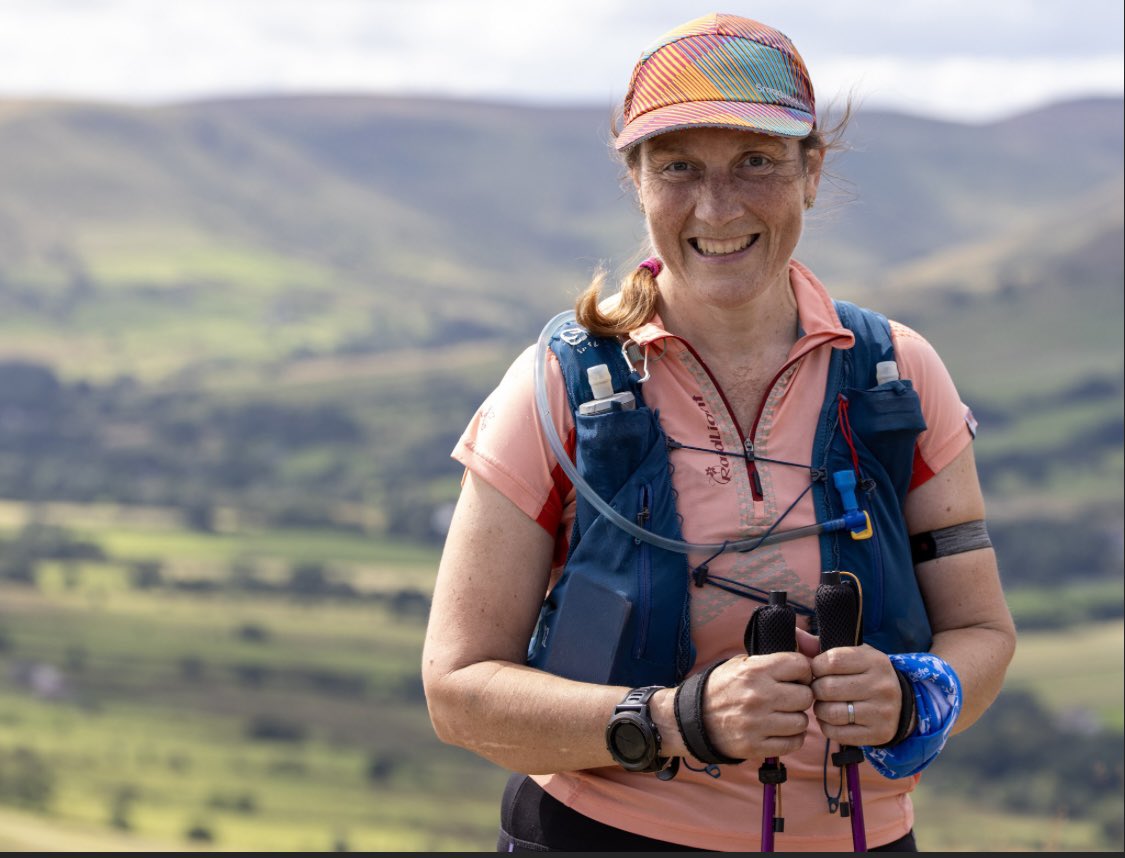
(577, 350)
(873, 344)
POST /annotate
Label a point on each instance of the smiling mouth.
(722, 247)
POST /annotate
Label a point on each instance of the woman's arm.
(481, 696)
(972, 626)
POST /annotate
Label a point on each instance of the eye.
(758, 162)
(677, 168)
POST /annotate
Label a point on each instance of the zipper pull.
(643, 513)
(755, 478)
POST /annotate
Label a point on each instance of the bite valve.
(856, 520)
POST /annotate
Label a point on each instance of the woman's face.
(724, 209)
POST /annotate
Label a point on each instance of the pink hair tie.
(654, 265)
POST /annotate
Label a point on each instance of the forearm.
(980, 658)
(973, 629)
(528, 721)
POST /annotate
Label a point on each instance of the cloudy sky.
(963, 59)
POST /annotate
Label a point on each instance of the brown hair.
(637, 294)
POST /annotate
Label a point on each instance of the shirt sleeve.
(506, 446)
(950, 426)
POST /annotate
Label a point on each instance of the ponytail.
(635, 302)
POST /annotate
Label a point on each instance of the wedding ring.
(851, 712)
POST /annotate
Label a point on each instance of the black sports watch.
(632, 737)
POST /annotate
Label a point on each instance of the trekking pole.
(838, 620)
(772, 628)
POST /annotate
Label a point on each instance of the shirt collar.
(819, 322)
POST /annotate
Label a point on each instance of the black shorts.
(533, 821)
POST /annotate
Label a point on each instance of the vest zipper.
(644, 572)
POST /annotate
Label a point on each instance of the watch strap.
(637, 698)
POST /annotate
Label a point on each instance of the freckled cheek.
(665, 220)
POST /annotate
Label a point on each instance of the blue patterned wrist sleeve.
(937, 701)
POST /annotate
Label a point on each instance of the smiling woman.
(718, 433)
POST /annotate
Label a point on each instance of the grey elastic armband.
(956, 539)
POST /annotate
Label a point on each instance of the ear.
(814, 162)
(635, 175)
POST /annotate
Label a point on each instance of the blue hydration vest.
(620, 612)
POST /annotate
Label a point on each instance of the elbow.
(1002, 646)
(440, 704)
(1006, 637)
(455, 703)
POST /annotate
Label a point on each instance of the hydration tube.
(620, 521)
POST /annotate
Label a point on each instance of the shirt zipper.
(748, 439)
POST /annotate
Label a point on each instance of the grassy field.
(180, 719)
(175, 719)
(162, 716)
(950, 823)
(1074, 670)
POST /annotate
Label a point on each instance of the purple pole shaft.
(859, 836)
(769, 804)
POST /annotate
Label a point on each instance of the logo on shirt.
(719, 474)
(971, 421)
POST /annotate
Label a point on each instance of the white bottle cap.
(886, 370)
(601, 383)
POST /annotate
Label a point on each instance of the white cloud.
(959, 58)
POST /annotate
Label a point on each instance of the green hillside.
(288, 226)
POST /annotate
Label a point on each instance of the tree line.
(295, 465)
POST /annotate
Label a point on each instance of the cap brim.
(770, 119)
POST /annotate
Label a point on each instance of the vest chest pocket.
(886, 421)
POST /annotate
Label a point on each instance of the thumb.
(808, 644)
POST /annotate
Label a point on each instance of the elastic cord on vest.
(587, 491)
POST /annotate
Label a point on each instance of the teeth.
(721, 247)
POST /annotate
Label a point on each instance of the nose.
(719, 201)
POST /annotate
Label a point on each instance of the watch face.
(631, 743)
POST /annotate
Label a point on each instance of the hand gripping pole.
(772, 628)
(838, 618)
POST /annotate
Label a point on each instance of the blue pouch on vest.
(882, 422)
(619, 614)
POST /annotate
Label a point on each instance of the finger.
(789, 667)
(793, 697)
(841, 688)
(841, 660)
(808, 644)
(779, 746)
(835, 712)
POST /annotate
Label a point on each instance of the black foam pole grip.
(772, 627)
(837, 611)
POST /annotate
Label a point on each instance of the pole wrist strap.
(688, 705)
